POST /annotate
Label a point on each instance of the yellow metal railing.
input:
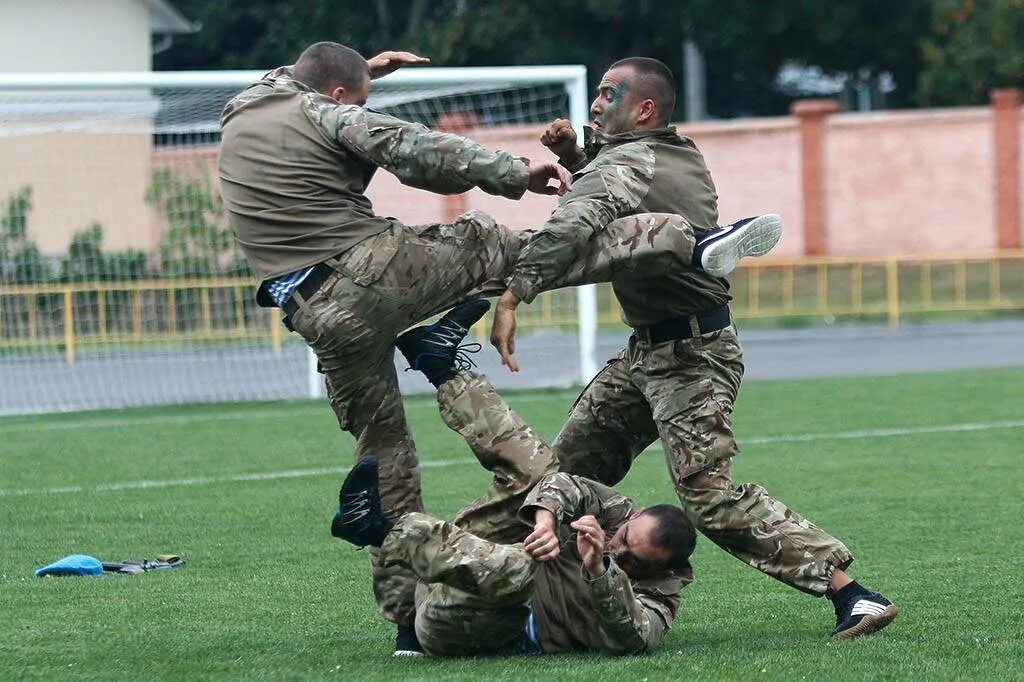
(146, 311)
(889, 287)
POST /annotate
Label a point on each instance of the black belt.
(307, 287)
(681, 327)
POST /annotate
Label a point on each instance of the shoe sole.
(756, 238)
(870, 624)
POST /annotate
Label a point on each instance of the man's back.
(294, 197)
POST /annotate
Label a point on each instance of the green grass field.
(930, 507)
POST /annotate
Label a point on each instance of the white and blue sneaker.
(718, 251)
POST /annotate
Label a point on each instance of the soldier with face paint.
(679, 376)
(298, 149)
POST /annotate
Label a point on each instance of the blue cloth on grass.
(73, 564)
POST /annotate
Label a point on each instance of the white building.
(86, 35)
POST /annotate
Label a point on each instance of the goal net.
(121, 285)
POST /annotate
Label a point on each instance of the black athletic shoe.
(861, 612)
(359, 518)
(435, 349)
(406, 642)
(719, 250)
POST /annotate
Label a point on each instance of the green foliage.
(744, 42)
(196, 243)
(21, 261)
(86, 261)
(975, 46)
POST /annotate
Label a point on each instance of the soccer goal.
(120, 283)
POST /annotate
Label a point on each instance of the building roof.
(165, 18)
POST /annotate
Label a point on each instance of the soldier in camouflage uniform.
(679, 376)
(490, 585)
(298, 150)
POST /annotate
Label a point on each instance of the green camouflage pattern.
(683, 393)
(473, 594)
(416, 155)
(609, 188)
(476, 581)
(639, 172)
(404, 275)
(505, 446)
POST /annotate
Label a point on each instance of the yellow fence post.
(239, 310)
(137, 313)
(995, 293)
(754, 289)
(892, 291)
(69, 327)
(788, 276)
(961, 283)
(857, 287)
(172, 313)
(204, 310)
(101, 303)
(32, 322)
(823, 287)
(275, 330)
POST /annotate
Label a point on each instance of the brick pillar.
(1006, 105)
(811, 114)
(457, 123)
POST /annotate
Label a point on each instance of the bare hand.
(590, 542)
(542, 172)
(503, 329)
(389, 62)
(560, 138)
(542, 543)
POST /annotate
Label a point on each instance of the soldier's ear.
(647, 111)
(337, 93)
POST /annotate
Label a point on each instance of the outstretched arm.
(438, 162)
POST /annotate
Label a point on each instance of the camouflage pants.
(475, 579)
(683, 392)
(398, 278)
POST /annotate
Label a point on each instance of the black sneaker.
(406, 642)
(360, 519)
(719, 250)
(862, 613)
(435, 349)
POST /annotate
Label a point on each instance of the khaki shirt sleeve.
(611, 187)
(569, 497)
(418, 156)
(633, 621)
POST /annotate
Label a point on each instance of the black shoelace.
(462, 362)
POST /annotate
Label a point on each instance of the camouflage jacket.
(611, 613)
(294, 166)
(643, 171)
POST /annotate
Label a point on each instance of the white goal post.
(97, 169)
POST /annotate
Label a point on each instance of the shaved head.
(325, 66)
(652, 80)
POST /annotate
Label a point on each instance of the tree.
(975, 46)
(196, 243)
(21, 261)
(86, 261)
